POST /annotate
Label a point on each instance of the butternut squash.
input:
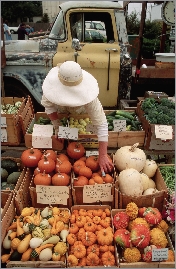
(24, 244)
(26, 255)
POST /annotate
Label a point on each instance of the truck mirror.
(76, 44)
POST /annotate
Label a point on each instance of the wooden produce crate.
(29, 264)
(56, 144)
(155, 200)
(26, 115)
(96, 207)
(80, 199)
(125, 138)
(33, 195)
(160, 177)
(128, 104)
(141, 264)
(22, 195)
(6, 199)
(11, 131)
(151, 142)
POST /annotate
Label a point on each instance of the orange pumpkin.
(88, 239)
(60, 179)
(92, 163)
(50, 153)
(42, 179)
(63, 166)
(80, 221)
(80, 181)
(73, 228)
(82, 262)
(71, 239)
(72, 261)
(46, 164)
(77, 165)
(89, 226)
(105, 237)
(106, 222)
(94, 249)
(108, 259)
(91, 181)
(75, 150)
(79, 251)
(31, 157)
(92, 259)
(98, 179)
(82, 212)
(108, 178)
(85, 171)
(62, 157)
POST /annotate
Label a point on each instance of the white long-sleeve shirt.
(94, 109)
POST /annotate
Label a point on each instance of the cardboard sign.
(52, 194)
(68, 133)
(119, 125)
(97, 193)
(3, 122)
(164, 132)
(41, 136)
(3, 135)
(159, 254)
(91, 128)
(93, 152)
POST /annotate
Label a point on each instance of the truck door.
(100, 50)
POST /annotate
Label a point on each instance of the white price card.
(42, 136)
(68, 133)
(97, 193)
(119, 125)
(3, 135)
(159, 254)
(52, 194)
(164, 132)
(91, 128)
(90, 153)
(3, 122)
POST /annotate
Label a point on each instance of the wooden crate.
(26, 115)
(13, 127)
(151, 142)
(33, 195)
(157, 199)
(122, 264)
(56, 144)
(5, 202)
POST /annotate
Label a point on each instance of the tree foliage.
(12, 10)
(45, 18)
(151, 36)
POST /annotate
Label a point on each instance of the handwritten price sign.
(52, 194)
(163, 132)
(97, 192)
(159, 254)
(119, 125)
(68, 133)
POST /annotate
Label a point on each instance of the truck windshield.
(58, 28)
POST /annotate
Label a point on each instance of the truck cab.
(104, 55)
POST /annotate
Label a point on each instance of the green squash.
(13, 177)
(9, 165)
(4, 174)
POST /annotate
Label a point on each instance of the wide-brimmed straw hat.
(69, 85)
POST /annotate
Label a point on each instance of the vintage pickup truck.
(107, 59)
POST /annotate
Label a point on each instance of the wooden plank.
(157, 73)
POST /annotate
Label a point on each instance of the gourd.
(7, 242)
(130, 182)
(31, 157)
(145, 181)
(15, 242)
(52, 240)
(56, 257)
(35, 242)
(45, 254)
(130, 157)
(36, 252)
(24, 244)
(150, 168)
(61, 248)
(150, 191)
(37, 232)
(13, 177)
(45, 212)
(15, 256)
(44, 224)
(26, 255)
(63, 235)
(151, 183)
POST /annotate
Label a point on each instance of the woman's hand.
(105, 164)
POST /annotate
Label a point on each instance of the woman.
(70, 89)
(7, 31)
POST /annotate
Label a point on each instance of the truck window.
(58, 30)
(95, 27)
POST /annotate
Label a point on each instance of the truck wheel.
(13, 88)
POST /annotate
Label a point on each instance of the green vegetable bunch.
(162, 112)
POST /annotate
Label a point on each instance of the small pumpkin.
(50, 153)
(31, 157)
(72, 261)
(73, 228)
(80, 181)
(80, 221)
(46, 164)
(56, 257)
(77, 165)
(75, 150)
(89, 238)
(71, 239)
(82, 262)
(92, 163)
(60, 179)
(92, 259)
(62, 157)
(94, 249)
(89, 226)
(63, 166)
(85, 171)
(79, 251)
(108, 178)
(42, 179)
(108, 259)
(104, 237)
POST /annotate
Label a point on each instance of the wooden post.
(141, 31)
(163, 37)
(3, 59)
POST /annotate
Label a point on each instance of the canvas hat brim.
(71, 96)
